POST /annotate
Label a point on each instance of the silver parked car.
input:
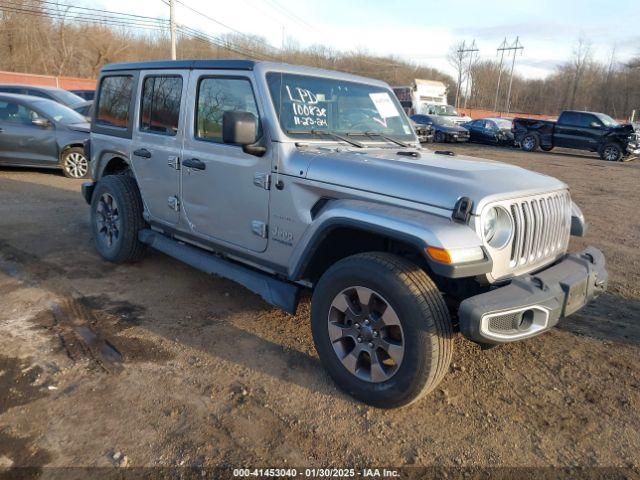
(286, 178)
(35, 132)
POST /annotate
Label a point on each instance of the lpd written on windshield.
(306, 111)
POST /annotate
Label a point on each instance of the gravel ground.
(157, 364)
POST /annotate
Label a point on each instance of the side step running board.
(274, 291)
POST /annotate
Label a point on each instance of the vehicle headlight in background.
(496, 227)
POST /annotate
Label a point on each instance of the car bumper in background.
(532, 304)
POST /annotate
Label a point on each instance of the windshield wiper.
(328, 134)
(383, 136)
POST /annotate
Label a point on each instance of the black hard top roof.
(182, 64)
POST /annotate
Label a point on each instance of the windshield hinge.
(262, 180)
(174, 161)
(174, 203)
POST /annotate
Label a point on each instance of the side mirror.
(595, 125)
(239, 128)
(41, 122)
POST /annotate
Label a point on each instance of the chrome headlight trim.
(498, 236)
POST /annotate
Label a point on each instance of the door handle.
(142, 152)
(1, 130)
(194, 163)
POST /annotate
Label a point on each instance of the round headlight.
(496, 227)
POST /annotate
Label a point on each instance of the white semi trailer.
(428, 97)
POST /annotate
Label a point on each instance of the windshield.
(607, 120)
(68, 98)
(438, 120)
(59, 112)
(307, 104)
(446, 110)
(502, 123)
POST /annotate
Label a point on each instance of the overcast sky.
(422, 31)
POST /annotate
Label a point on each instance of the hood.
(80, 127)
(433, 179)
(625, 128)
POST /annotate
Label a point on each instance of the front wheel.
(611, 152)
(75, 163)
(440, 137)
(381, 329)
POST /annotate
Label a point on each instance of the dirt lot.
(156, 364)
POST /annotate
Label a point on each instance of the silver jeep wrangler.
(284, 178)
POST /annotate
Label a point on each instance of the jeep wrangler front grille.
(541, 228)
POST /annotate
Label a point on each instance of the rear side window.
(219, 95)
(160, 109)
(114, 101)
(569, 118)
(39, 93)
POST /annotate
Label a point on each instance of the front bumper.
(532, 304)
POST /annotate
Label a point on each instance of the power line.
(290, 14)
(81, 18)
(115, 19)
(13, 6)
(217, 21)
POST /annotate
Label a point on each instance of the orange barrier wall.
(480, 113)
(68, 83)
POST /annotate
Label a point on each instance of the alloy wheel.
(108, 220)
(366, 334)
(528, 143)
(76, 165)
(611, 154)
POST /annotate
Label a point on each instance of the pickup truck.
(595, 132)
(288, 179)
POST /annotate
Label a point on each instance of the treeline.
(581, 83)
(36, 39)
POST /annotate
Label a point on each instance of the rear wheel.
(546, 148)
(381, 329)
(116, 219)
(611, 152)
(530, 143)
(74, 163)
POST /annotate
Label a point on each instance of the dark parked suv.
(595, 132)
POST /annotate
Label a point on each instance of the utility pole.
(471, 50)
(501, 49)
(515, 47)
(459, 59)
(172, 25)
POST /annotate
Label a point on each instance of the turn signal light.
(455, 255)
(439, 254)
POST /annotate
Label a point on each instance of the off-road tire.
(611, 152)
(425, 321)
(74, 163)
(530, 142)
(124, 192)
(546, 148)
(440, 137)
